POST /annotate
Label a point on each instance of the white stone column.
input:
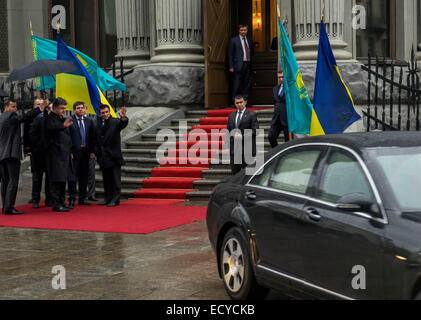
(179, 31)
(133, 32)
(307, 27)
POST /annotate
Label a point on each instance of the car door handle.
(250, 195)
(313, 214)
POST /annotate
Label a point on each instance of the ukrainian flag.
(333, 110)
(78, 85)
(299, 106)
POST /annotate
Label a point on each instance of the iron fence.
(396, 102)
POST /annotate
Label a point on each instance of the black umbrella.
(2, 93)
(41, 68)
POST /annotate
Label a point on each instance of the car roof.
(363, 140)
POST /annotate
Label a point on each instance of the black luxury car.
(328, 217)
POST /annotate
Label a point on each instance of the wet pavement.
(173, 264)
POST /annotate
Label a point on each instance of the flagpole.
(323, 10)
(32, 34)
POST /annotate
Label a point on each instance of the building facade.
(177, 48)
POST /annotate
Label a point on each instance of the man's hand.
(68, 122)
(92, 156)
(238, 136)
(44, 104)
(232, 70)
(29, 154)
(123, 113)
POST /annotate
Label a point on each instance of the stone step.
(175, 129)
(128, 183)
(262, 119)
(125, 193)
(152, 137)
(141, 146)
(206, 184)
(134, 172)
(198, 196)
(144, 163)
(214, 174)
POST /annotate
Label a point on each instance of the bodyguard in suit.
(11, 152)
(37, 149)
(280, 119)
(240, 57)
(59, 145)
(82, 132)
(238, 122)
(108, 151)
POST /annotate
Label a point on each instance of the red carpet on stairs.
(184, 165)
(135, 216)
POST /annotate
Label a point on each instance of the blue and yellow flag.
(333, 110)
(78, 85)
(299, 106)
(47, 49)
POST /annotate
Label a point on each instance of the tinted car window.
(263, 179)
(294, 170)
(343, 176)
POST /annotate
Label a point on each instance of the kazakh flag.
(47, 49)
(299, 106)
(78, 85)
(333, 105)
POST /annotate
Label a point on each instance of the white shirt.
(280, 90)
(238, 117)
(244, 48)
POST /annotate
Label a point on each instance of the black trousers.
(81, 167)
(91, 178)
(112, 184)
(10, 170)
(274, 132)
(242, 81)
(58, 194)
(37, 176)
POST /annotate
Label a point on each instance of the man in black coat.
(240, 57)
(59, 162)
(82, 132)
(108, 151)
(280, 119)
(242, 125)
(11, 152)
(36, 148)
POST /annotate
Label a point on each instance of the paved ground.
(174, 264)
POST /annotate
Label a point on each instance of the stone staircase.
(140, 157)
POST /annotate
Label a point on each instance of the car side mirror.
(358, 202)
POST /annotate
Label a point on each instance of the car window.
(343, 176)
(294, 170)
(263, 178)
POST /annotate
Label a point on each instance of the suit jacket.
(77, 137)
(108, 142)
(248, 121)
(59, 144)
(10, 133)
(280, 117)
(36, 143)
(236, 53)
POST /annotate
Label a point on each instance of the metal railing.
(400, 111)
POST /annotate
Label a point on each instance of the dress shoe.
(112, 204)
(61, 209)
(71, 204)
(35, 205)
(92, 199)
(12, 212)
(84, 203)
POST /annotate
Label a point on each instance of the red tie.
(247, 49)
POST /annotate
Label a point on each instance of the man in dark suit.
(242, 125)
(36, 148)
(240, 57)
(108, 151)
(11, 152)
(82, 132)
(280, 119)
(59, 162)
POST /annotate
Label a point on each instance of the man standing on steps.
(82, 133)
(240, 57)
(280, 119)
(242, 125)
(108, 151)
(11, 152)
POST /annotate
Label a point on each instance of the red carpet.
(184, 165)
(135, 216)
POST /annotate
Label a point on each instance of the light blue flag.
(299, 106)
(47, 49)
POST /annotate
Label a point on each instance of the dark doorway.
(261, 17)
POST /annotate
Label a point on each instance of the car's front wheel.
(237, 271)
